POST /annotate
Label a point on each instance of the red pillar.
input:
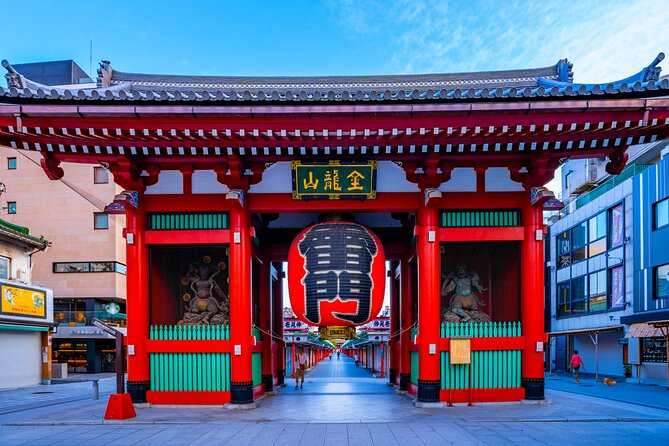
(393, 341)
(532, 301)
(429, 372)
(265, 316)
(405, 323)
(382, 367)
(280, 364)
(137, 303)
(241, 383)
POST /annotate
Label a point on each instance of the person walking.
(338, 353)
(302, 362)
(576, 363)
(357, 359)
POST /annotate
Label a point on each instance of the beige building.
(85, 266)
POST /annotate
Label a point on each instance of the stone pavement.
(341, 404)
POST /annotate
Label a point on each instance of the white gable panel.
(205, 182)
(391, 178)
(277, 178)
(463, 179)
(169, 182)
(498, 179)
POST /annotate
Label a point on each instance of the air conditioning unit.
(592, 173)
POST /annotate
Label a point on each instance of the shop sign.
(20, 301)
(379, 324)
(460, 351)
(334, 180)
(336, 275)
(294, 324)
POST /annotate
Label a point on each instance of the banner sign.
(336, 274)
(333, 180)
(617, 287)
(617, 226)
(20, 301)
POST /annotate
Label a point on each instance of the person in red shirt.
(576, 363)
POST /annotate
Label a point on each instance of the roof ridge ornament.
(14, 78)
(105, 74)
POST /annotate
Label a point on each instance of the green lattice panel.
(480, 218)
(163, 221)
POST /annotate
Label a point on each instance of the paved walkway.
(343, 405)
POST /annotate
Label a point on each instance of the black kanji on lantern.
(338, 260)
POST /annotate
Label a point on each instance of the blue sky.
(606, 40)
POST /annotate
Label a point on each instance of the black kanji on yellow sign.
(334, 180)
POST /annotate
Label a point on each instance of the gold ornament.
(186, 297)
(206, 259)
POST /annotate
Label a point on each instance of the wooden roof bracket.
(51, 166)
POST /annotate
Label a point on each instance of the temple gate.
(214, 197)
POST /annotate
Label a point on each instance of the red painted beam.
(481, 234)
(482, 395)
(494, 343)
(384, 202)
(200, 398)
(190, 237)
(194, 346)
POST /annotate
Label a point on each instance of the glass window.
(100, 175)
(579, 295)
(661, 210)
(597, 234)
(617, 287)
(4, 268)
(102, 267)
(597, 296)
(72, 267)
(661, 277)
(563, 249)
(11, 207)
(563, 299)
(579, 238)
(11, 163)
(616, 226)
(101, 220)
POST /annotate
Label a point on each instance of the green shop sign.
(334, 180)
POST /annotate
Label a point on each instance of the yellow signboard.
(460, 351)
(23, 301)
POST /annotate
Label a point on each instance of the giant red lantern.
(336, 274)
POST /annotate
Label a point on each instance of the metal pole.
(120, 388)
(596, 357)
(96, 390)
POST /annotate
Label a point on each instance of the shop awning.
(586, 331)
(643, 330)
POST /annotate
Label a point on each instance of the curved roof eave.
(339, 89)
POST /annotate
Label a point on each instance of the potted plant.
(627, 370)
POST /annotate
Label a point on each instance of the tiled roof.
(22, 233)
(550, 82)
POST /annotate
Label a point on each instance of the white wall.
(610, 353)
(25, 366)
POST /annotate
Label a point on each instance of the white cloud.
(605, 41)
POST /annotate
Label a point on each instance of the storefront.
(26, 316)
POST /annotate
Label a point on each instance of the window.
(563, 299)
(579, 296)
(661, 213)
(661, 281)
(11, 207)
(101, 220)
(597, 234)
(616, 226)
(4, 268)
(88, 267)
(11, 163)
(597, 298)
(579, 239)
(564, 249)
(100, 175)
